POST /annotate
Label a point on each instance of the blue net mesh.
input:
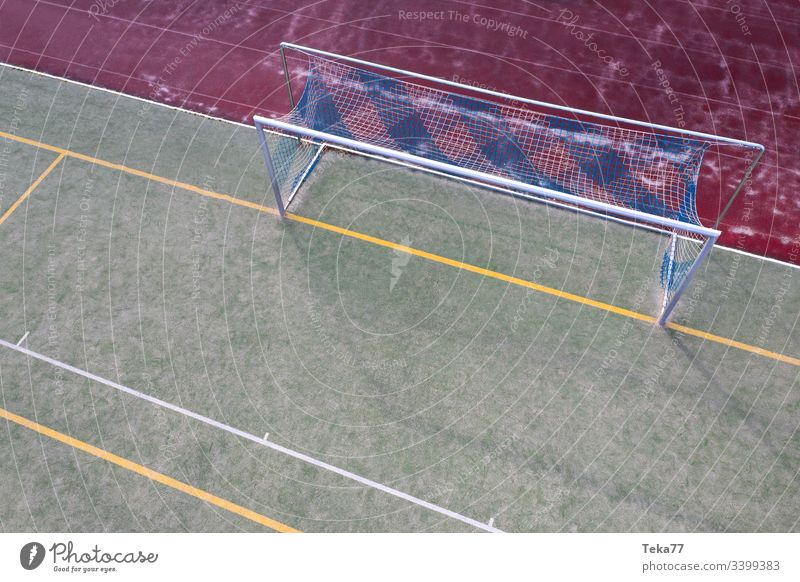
(652, 173)
(291, 159)
(672, 274)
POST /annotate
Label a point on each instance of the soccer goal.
(640, 174)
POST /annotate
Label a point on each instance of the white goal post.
(599, 169)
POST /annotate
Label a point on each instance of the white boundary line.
(22, 339)
(261, 441)
(754, 256)
(248, 126)
(125, 95)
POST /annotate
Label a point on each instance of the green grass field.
(490, 399)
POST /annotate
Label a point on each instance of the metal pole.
(670, 268)
(322, 137)
(286, 77)
(739, 187)
(273, 178)
(665, 313)
(706, 136)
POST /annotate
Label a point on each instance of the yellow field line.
(412, 251)
(31, 188)
(544, 289)
(145, 472)
(472, 268)
(734, 343)
(140, 173)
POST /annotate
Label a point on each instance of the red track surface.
(730, 80)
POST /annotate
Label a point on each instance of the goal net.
(629, 171)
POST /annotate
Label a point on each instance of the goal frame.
(632, 217)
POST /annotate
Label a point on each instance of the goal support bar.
(329, 138)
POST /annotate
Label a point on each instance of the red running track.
(732, 67)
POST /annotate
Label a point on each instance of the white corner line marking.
(22, 339)
(245, 435)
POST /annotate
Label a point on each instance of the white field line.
(125, 95)
(245, 435)
(759, 257)
(240, 124)
(22, 339)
